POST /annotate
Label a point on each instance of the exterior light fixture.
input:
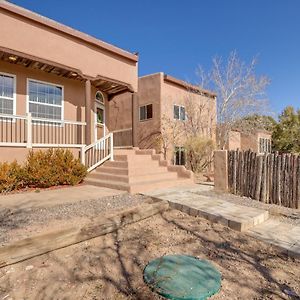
(12, 58)
(74, 74)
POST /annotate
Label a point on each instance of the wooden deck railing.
(26, 131)
(97, 153)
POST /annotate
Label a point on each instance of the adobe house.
(259, 141)
(162, 99)
(60, 88)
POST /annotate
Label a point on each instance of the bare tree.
(240, 92)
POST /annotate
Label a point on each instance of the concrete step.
(116, 164)
(108, 184)
(133, 178)
(133, 158)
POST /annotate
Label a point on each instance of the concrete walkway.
(255, 222)
(52, 197)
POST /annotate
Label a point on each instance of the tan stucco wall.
(162, 94)
(150, 93)
(24, 35)
(172, 94)
(74, 91)
(233, 141)
(10, 154)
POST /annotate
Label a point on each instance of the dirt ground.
(111, 266)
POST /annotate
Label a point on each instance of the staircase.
(136, 171)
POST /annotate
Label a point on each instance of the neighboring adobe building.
(259, 141)
(162, 97)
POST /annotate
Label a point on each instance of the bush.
(11, 177)
(42, 169)
(53, 167)
(199, 152)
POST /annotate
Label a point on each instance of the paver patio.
(238, 217)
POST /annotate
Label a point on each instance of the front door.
(99, 119)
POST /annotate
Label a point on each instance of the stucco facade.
(258, 141)
(36, 48)
(163, 92)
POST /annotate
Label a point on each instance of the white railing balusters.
(97, 153)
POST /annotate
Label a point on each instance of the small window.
(99, 97)
(179, 156)
(265, 145)
(100, 115)
(146, 112)
(7, 94)
(45, 100)
(179, 112)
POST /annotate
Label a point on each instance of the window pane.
(142, 113)
(182, 113)
(176, 112)
(43, 94)
(149, 111)
(6, 106)
(7, 86)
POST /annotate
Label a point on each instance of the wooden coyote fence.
(269, 178)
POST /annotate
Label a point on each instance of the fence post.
(111, 146)
(29, 130)
(221, 170)
(82, 155)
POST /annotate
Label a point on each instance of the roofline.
(188, 85)
(15, 9)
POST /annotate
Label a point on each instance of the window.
(146, 112)
(45, 100)
(264, 145)
(7, 94)
(179, 156)
(100, 115)
(99, 97)
(179, 112)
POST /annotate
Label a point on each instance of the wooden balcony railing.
(26, 131)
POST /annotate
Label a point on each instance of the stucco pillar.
(135, 111)
(221, 170)
(88, 113)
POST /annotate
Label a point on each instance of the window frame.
(14, 94)
(180, 149)
(180, 107)
(58, 122)
(266, 144)
(147, 119)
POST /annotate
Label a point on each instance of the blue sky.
(176, 36)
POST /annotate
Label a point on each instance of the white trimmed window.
(179, 112)
(7, 94)
(265, 145)
(179, 156)
(45, 100)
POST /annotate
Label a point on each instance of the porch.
(77, 125)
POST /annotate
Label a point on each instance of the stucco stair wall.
(137, 171)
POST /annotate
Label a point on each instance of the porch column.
(135, 109)
(88, 115)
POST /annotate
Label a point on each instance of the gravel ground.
(111, 267)
(285, 214)
(15, 224)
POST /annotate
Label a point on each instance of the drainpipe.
(88, 114)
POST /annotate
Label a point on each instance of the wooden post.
(82, 155)
(88, 113)
(111, 146)
(135, 112)
(29, 130)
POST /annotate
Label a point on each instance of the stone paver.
(48, 198)
(219, 211)
(238, 217)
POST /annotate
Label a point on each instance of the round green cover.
(180, 277)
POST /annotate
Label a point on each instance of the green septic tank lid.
(182, 277)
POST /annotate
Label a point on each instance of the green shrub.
(53, 167)
(42, 169)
